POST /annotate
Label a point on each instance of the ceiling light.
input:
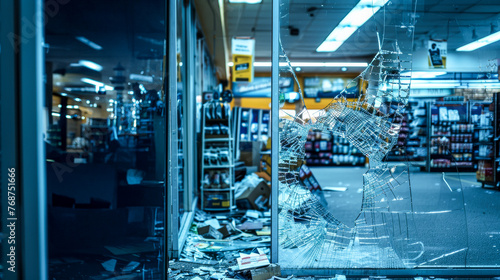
(361, 13)
(309, 64)
(78, 99)
(343, 69)
(298, 69)
(430, 84)
(88, 43)
(424, 75)
(97, 84)
(64, 94)
(91, 65)
(246, 1)
(480, 43)
(92, 82)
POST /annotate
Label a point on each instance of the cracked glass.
(396, 224)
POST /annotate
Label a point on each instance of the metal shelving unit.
(488, 165)
(217, 165)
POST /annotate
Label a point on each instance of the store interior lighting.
(360, 14)
(90, 64)
(425, 75)
(309, 64)
(492, 38)
(96, 83)
(443, 84)
(245, 1)
(88, 43)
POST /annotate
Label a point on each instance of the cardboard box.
(266, 272)
(250, 153)
(255, 197)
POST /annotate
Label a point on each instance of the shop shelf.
(483, 127)
(207, 139)
(483, 158)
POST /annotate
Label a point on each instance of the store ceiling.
(132, 32)
(453, 20)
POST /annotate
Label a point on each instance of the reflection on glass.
(105, 141)
(181, 92)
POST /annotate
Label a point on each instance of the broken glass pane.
(397, 225)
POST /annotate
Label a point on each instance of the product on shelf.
(324, 148)
(217, 172)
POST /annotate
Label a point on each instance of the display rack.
(450, 132)
(485, 116)
(217, 166)
(253, 124)
(325, 149)
(412, 138)
(98, 130)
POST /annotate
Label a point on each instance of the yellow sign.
(243, 55)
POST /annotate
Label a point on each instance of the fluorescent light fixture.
(88, 43)
(246, 1)
(436, 84)
(56, 114)
(91, 65)
(109, 109)
(360, 14)
(492, 38)
(92, 82)
(64, 94)
(309, 64)
(96, 84)
(78, 99)
(424, 75)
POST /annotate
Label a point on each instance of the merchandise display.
(217, 168)
(326, 149)
(253, 124)
(451, 137)
(412, 140)
(485, 116)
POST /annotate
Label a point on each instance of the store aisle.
(441, 232)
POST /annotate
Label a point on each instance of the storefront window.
(105, 140)
(356, 108)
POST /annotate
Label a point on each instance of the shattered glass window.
(397, 223)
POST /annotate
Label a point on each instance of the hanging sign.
(243, 50)
(436, 53)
